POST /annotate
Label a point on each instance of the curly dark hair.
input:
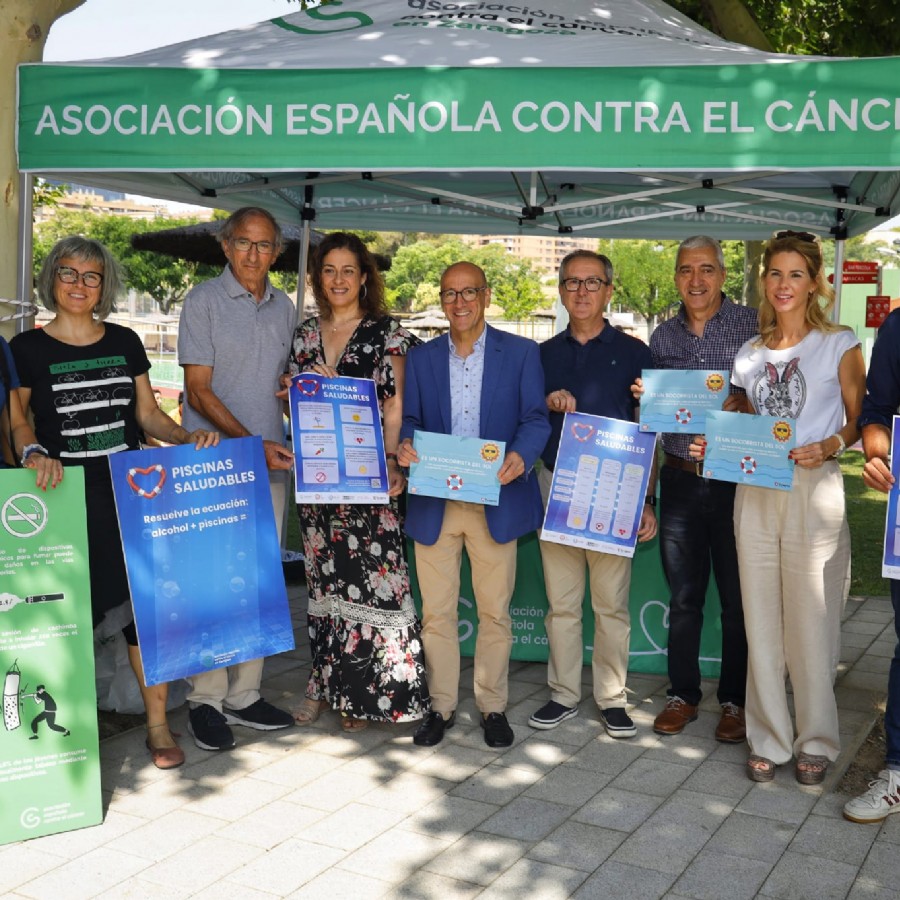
(371, 297)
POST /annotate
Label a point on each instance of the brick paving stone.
(531, 878)
(577, 845)
(799, 876)
(624, 882)
(526, 819)
(713, 875)
(835, 839)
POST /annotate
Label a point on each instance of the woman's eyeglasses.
(68, 275)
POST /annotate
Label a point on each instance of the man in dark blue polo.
(588, 368)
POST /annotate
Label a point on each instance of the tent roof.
(586, 118)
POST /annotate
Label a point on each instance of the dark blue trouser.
(892, 710)
(696, 534)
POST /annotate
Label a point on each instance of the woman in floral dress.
(364, 633)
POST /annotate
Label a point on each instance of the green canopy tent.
(618, 118)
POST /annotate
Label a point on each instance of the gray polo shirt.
(247, 345)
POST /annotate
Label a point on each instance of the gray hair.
(239, 216)
(87, 251)
(701, 242)
(587, 254)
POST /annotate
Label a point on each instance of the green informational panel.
(49, 751)
(649, 612)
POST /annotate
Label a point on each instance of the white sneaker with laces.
(878, 802)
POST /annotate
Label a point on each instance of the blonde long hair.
(820, 302)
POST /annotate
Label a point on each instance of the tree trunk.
(731, 20)
(753, 253)
(24, 25)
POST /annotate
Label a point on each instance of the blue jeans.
(892, 710)
(696, 535)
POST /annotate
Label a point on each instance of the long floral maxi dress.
(364, 633)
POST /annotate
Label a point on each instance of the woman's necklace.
(340, 325)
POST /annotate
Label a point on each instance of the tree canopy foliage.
(164, 278)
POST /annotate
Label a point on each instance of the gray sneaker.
(878, 802)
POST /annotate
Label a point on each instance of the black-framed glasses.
(797, 235)
(590, 284)
(263, 248)
(68, 275)
(467, 295)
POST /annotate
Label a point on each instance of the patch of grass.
(865, 513)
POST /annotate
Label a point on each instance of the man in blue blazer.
(475, 382)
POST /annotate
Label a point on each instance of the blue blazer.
(513, 409)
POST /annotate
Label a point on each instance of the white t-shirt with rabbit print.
(798, 383)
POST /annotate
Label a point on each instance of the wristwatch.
(650, 500)
(842, 445)
(30, 449)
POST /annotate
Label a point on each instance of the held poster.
(338, 442)
(203, 559)
(49, 751)
(890, 566)
(676, 400)
(750, 449)
(599, 483)
(457, 468)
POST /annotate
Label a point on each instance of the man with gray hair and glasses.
(233, 343)
(696, 526)
(588, 368)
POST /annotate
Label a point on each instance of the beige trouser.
(236, 687)
(564, 578)
(794, 555)
(493, 580)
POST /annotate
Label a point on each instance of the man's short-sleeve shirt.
(599, 374)
(247, 345)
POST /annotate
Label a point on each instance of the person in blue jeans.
(879, 407)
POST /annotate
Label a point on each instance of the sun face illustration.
(490, 452)
(782, 431)
(715, 382)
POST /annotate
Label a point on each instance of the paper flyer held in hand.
(338, 441)
(457, 468)
(599, 484)
(890, 565)
(749, 449)
(676, 400)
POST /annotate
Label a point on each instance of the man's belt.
(694, 466)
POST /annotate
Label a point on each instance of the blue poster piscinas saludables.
(338, 441)
(49, 751)
(600, 480)
(202, 554)
(890, 565)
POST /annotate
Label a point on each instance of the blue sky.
(102, 28)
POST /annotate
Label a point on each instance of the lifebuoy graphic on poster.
(49, 751)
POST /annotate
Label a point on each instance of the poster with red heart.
(202, 554)
(338, 440)
(600, 480)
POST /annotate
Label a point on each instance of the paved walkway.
(565, 813)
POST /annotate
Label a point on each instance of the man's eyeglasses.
(798, 235)
(68, 275)
(590, 284)
(263, 248)
(467, 295)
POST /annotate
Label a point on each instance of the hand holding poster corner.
(599, 484)
(890, 565)
(338, 441)
(202, 554)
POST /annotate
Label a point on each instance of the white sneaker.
(878, 802)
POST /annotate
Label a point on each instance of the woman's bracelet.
(842, 445)
(29, 449)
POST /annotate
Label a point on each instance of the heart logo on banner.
(153, 491)
(308, 386)
(582, 432)
(623, 532)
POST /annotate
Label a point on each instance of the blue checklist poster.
(676, 400)
(749, 449)
(890, 566)
(338, 441)
(599, 483)
(202, 554)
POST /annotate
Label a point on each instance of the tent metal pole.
(24, 280)
(838, 278)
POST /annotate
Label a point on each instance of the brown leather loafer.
(731, 728)
(674, 717)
